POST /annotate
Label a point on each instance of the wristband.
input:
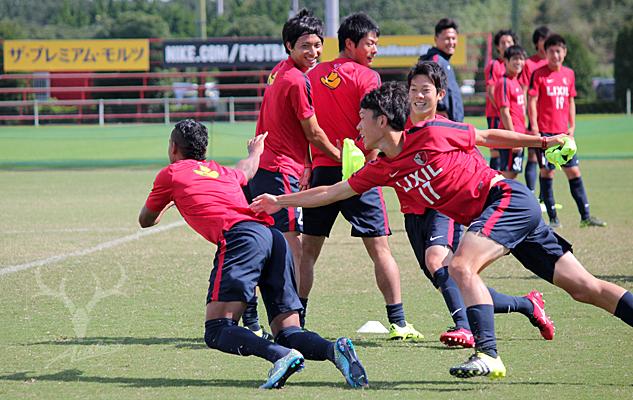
(543, 142)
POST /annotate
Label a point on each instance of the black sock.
(452, 297)
(504, 303)
(495, 163)
(395, 314)
(250, 317)
(547, 194)
(577, 189)
(223, 334)
(624, 310)
(530, 175)
(310, 344)
(482, 323)
(302, 313)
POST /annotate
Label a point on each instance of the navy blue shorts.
(288, 219)
(251, 254)
(430, 229)
(366, 212)
(512, 218)
(493, 122)
(546, 164)
(510, 161)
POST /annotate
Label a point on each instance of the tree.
(134, 24)
(623, 69)
(582, 62)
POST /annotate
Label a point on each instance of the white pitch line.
(101, 246)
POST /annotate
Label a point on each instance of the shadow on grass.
(616, 278)
(77, 376)
(125, 340)
(451, 385)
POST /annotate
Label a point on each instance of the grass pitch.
(111, 314)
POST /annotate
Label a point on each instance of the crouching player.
(433, 164)
(249, 253)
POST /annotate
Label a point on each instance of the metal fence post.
(628, 102)
(166, 110)
(101, 113)
(36, 113)
(231, 109)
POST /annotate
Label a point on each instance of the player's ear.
(288, 46)
(349, 44)
(441, 94)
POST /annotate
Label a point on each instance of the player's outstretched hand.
(265, 203)
(557, 140)
(256, 144)
(304, 181)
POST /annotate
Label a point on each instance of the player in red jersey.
(337, 89)
(287, 114)
(434, 165)
(552, 112)
(493, 72)
(533, 63)
(249, 253)
(510, 98)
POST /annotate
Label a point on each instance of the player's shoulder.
(567, 70)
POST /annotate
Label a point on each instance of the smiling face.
(514, 65)
(446, 41)
(371, 128)
(504, 42)
(306, 51)
(555, 56)
(365, 51)
(423, 96)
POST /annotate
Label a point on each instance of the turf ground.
(93, 309)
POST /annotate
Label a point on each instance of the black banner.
(259, 53)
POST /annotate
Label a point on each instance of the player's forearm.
(490, 90)
(316, 197)
(249, 165)
(502, 139)
(572, 116)
(320, 140)
(149, 218)
(532, 116)
(506, 119)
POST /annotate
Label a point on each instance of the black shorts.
(287, 219)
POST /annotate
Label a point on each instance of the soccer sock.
(482, 322)
(310, 344)
(577, 189)
(504, 303)
(530, 175)
(495, 163)
(395, 314)
(225, 335)
(250, 317)
(547, 194)
(624, 310)
(452, 297)
(302, 313)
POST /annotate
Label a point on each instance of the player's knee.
(213, 330)
(440, 277)
(586, 291)
(283, 337)
(459, 269)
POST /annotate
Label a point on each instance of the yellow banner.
(76, 55)
(400, 51)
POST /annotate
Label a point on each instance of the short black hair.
(191, 138)
(445, 23)
(554, 40)
(542, 32)
(505, 32)
(303, 23)
(431, 69)
(390, 100)
(355, 27)
(514, 51)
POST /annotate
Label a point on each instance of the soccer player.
(337, 88)
(287, 114)
(510, 99)
(433, 164)
(552, 112)
(249, 253)
(434, 236)
(446, 32)
(533, 63)
(493, 72)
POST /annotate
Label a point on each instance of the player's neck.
(510, 75)
(392, 143)
(557, 67)
(416, 118)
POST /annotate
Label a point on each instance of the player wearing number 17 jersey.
(553, 111)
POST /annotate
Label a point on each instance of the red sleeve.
(301, 98)
(501, 93)
(534, 84)
(236, 174)
(160, 195)
(371, 175)
(368, 81)
(572, 91)
(524, 78)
